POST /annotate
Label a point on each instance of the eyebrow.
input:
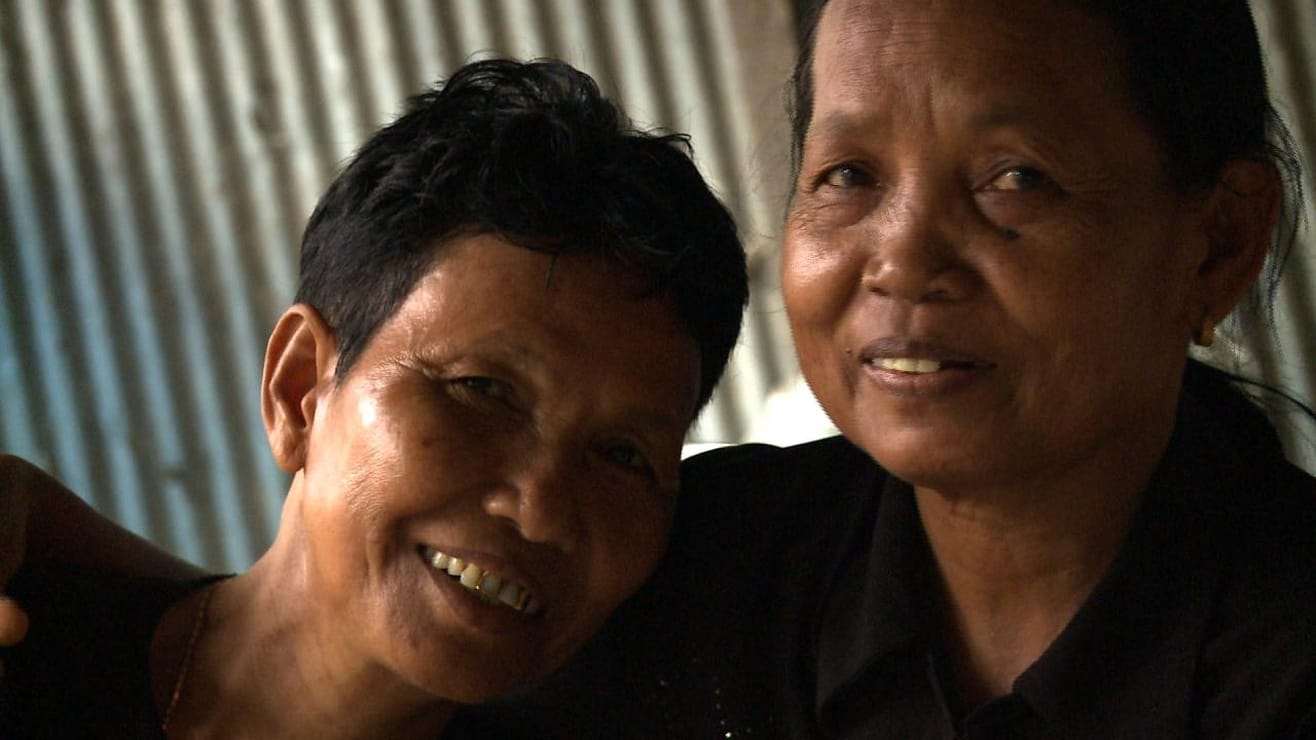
(661, 420)
(1016, 116)
(841, 124)
(499, 344)
(524, 358)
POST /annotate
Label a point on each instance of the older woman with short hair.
(511, 306)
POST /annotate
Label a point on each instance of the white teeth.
(471, 577)
(487, 586)
(456, 566)
(907, 364)
(511, 595)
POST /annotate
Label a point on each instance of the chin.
(464, 676)
(466, 684)
(928, 460)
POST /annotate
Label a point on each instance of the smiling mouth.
(488, 587)
(916, 365)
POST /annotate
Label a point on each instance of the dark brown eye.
(1015, 197)
(1019, 179)
(846, 176)
(484, 387)
(627, 456)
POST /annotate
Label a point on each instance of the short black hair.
(535, 154)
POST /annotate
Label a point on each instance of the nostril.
(916, 284)
(538, 513)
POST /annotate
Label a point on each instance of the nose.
(913, 252)
(539, 496)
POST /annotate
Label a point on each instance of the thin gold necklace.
(198, 625)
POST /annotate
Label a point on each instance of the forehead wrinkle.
(913, 65)
(503, 345)
(919, 41)
(509, 346)
(840, 124)
(1004, 116)
(645, 418)
(875, 68)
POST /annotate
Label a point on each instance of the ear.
(1239, 221)
(299, 371)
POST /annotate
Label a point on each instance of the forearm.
(47, 521)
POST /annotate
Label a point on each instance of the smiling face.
(519, 413)
(989, 276)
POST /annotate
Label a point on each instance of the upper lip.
(903, 347)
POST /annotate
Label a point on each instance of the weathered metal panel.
(1286, 357)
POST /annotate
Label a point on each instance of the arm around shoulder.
(42, 520)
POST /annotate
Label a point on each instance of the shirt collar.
(1130, 645)
(875, 605)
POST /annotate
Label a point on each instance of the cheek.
(630, 540)
(818, 279)
(821, 277)
(1094, 342)
(1088, 276)
(374, 468)
(625, 549)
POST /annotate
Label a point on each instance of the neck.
(1016, 561)
(268, 665)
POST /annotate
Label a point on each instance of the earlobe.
(1239, 219)
(299, 365)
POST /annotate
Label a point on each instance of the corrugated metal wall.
(158, 159)
(1287, 357)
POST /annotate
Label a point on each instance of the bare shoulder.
(42, 519)
(24, 480)
(14, 470)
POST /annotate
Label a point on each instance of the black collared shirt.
(799, 601)
(1205, 625)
